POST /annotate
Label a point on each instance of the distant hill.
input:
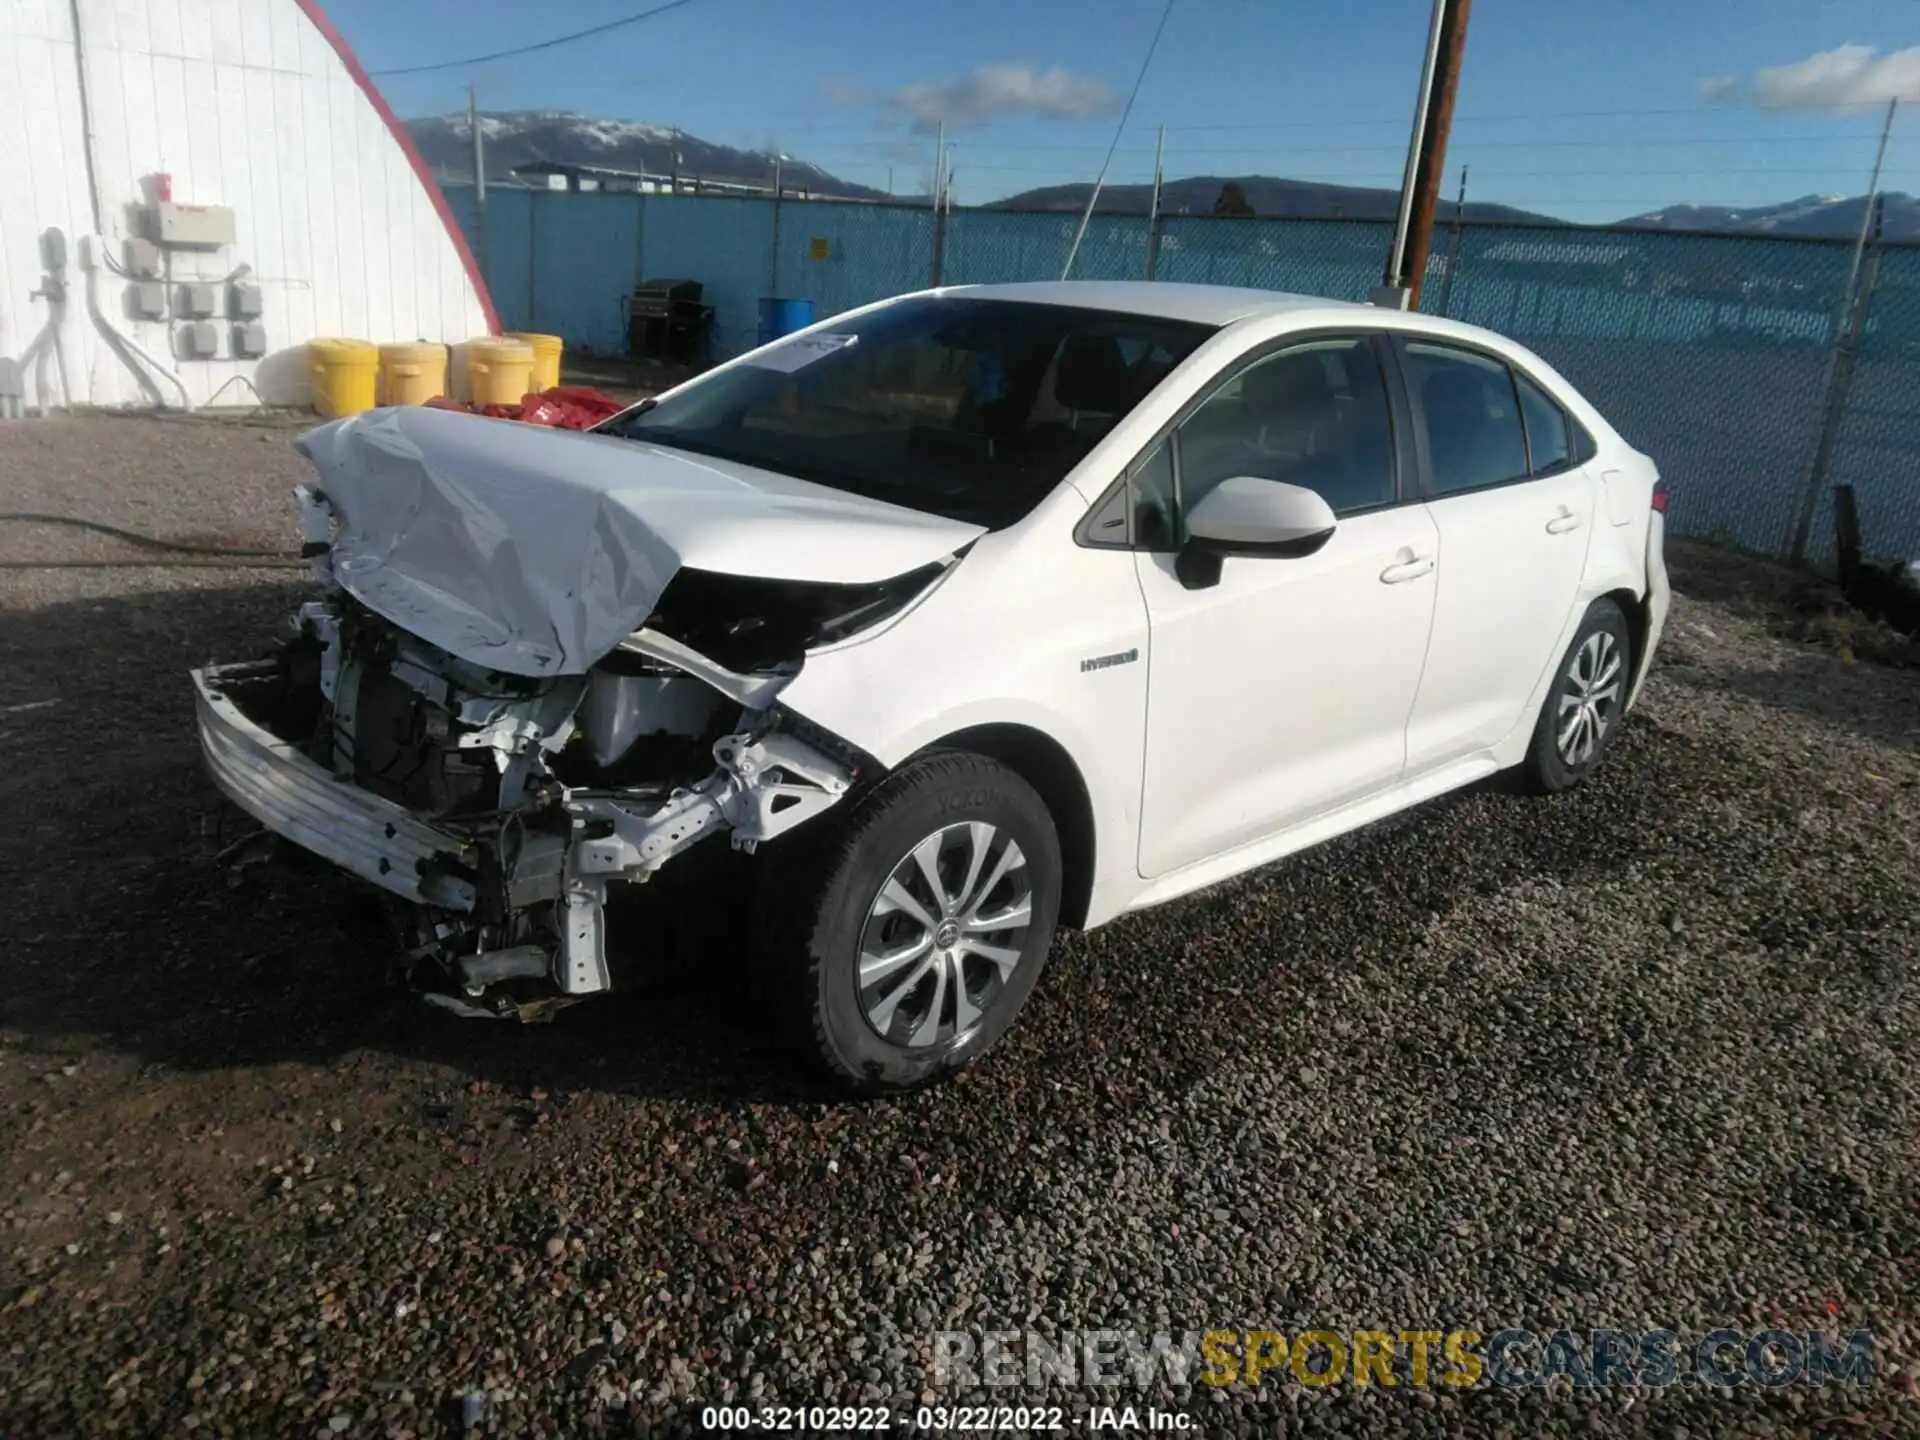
(519, 137)
(1833, 216)
(1268, 194)
(1824, 216)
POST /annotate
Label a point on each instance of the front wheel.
(907, 948)
(1583, 708)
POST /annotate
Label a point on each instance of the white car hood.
(535, 551)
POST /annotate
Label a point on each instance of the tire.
(1591, 679)
(908, 1024)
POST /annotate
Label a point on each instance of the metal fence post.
(939, 208)
(1846, 350)
(939, 242)
(773, 259)
(479, 183)
(1453, 247)
(1153, 209)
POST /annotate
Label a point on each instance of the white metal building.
(190, 190)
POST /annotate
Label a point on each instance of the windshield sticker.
(798, 354)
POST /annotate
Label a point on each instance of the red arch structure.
(401, 137)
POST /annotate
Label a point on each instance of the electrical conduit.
(92, 247)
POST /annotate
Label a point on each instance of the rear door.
(1514, 513)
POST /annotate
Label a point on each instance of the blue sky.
(1587, 109)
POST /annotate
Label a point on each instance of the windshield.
(970, 409)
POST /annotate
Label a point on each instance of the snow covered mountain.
(519, 137)
(1826, 215)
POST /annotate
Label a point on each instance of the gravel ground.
(1639, 1056)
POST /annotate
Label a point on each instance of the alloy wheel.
(944, 935)
(1589, 699)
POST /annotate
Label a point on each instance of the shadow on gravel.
(119, 925)
(120, 929)
(1873, 701)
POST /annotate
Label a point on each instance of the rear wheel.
(906, 949)
(1583, 709)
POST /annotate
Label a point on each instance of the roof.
(1222, 305)
(1207, 304)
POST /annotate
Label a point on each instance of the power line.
(1324, 122)
(1118, 130)
(1536, 115)
(1284, 148)
(538, 44)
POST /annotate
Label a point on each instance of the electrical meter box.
(199, 341)
(143, 257)
(149, 300)
(249, 341)
(200, 226)
(197, 299)
(244, 300)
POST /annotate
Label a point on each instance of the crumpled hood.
(535, 551)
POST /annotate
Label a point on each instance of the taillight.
(1660, 496)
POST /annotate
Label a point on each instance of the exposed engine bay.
(498, 809)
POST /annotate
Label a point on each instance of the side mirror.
(1246, 515)
(1249, 516)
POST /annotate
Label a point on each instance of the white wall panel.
(246, 104)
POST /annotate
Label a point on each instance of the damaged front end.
(499, 809)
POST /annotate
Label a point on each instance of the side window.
(1150, 492)
(1547, 445)
(1139, 511)
(1314, 415)
(1584, 447)
(1465, 406)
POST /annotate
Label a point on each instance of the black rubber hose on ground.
(212, 556)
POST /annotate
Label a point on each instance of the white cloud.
(1845, 75)
(837, 90)
(996, 92)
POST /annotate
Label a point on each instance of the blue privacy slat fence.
(1714, 354)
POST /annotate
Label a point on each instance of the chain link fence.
(1714, 354)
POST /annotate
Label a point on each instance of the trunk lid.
(535, 551)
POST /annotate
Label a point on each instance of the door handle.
(1563, 523)
(1404, 570)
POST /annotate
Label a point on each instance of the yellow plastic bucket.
(342, 373)
(499, 370)
(546, 357)
(412, 374)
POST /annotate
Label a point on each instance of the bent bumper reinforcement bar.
(292, 796)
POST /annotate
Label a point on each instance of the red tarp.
(566, 407)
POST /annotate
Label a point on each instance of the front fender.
(1050, 637)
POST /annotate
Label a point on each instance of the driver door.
(1282, 690)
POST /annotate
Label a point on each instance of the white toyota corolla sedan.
(967, 614)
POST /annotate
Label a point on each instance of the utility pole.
(1426, 157)
(673, 137)
(1153, 205)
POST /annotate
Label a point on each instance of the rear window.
(1466, 405)
(1548, 447)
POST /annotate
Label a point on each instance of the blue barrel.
(783, 317)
